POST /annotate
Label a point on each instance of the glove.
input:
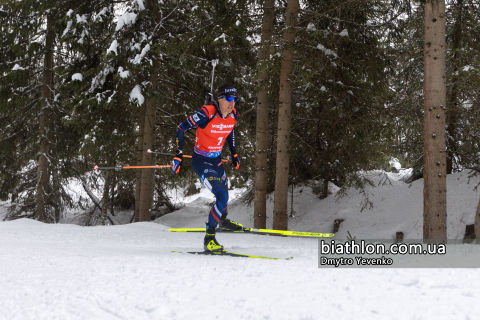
(235, 159)
(177, 162)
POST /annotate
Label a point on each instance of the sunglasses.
(229, 98)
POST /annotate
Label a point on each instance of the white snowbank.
(397, 207)
(69, 272)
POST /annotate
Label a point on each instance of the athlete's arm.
(231, 140)
(193, 121)
(231, 144)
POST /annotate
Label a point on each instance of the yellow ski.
(261, 231)
(231, 254)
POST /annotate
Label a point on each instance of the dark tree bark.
(477, 222)
(41, 213)
(280, 215)
(138, 188)
(147, 184)
(435, 186)
(260, 200)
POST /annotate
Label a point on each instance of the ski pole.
(132, 167)
(173, 155)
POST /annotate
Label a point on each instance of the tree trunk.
(140, 151)
(41, 199)
(325, 186)
(260, 200)
(435, 186)
(280, 217)
(56, 195)
(106, 189)
(453, 110)
(146, 194)
(477, 222)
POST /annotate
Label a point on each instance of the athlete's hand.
(177, 162)
(235, 159)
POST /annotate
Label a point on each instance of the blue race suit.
(212, 131)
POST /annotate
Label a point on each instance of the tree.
(435, 188)
(280, 221)
(261, 144)
(45, 105)
(341, 120)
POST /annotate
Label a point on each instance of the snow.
(136, 94)
(138, 57)
(67, 29)
(77, 76)
(100, 14)
(140, 5)
(223, 36)
(82, 18)
(113, 47)
(327, 52)
(311, 27)
(64, 271)
(17, 67)
(123, 74)
(344, 33)
(126, 18)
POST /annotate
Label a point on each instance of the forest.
(327, 90)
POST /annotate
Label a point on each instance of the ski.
(231, 254)
(261, 231)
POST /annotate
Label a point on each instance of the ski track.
(129, 272)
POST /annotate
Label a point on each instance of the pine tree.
(280, 221)
(435, 188)
(261, 144)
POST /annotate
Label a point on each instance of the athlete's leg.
(213, 177)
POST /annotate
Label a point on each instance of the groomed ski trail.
(129, 272)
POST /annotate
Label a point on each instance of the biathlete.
(214, 125)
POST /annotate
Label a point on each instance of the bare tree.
(260, 210)
(280, 217)
(435, 186)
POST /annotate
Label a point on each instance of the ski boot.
(209, 242)
(229, 224)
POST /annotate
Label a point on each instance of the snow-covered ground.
(397, 207)
(64, 271)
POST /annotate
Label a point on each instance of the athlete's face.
(225, 106)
